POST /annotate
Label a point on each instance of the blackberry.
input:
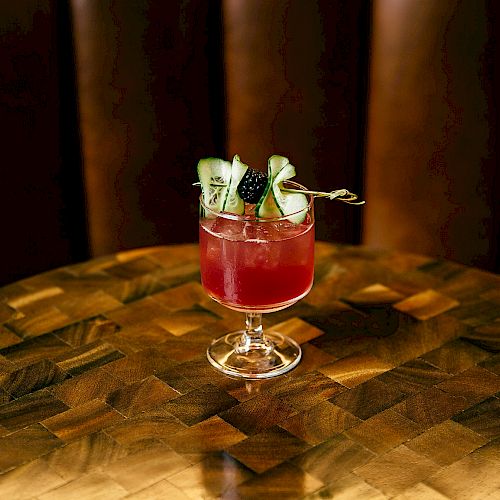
(252, 185)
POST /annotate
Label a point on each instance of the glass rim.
(246, 218)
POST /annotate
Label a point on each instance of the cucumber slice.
(267, 206)
(215, 176)
(233, 202)
(276, 202)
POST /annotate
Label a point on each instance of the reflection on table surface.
(105, 389)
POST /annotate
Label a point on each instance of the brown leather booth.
(431, 171)
(106, 106)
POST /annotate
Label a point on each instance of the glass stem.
(253, 337)
(253, 322)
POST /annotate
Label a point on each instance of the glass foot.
(239, 355)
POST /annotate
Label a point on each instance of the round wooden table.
(105, 390)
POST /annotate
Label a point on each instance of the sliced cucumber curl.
(219, 180)
(276, 201)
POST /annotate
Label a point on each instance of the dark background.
(106, 107)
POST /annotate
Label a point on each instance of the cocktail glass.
(256, 265)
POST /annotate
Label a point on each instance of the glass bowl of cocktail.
(256, 237)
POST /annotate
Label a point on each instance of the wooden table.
(105, 390)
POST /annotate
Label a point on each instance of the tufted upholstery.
(109, 105)
(432, 137)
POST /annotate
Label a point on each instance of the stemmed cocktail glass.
(256, 265)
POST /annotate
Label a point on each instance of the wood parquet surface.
(105, 391)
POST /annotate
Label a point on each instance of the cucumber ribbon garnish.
(225, 186)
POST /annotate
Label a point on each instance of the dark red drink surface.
(256, 265)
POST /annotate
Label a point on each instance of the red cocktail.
(256, 265)
(251, 265)
(256, 256)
